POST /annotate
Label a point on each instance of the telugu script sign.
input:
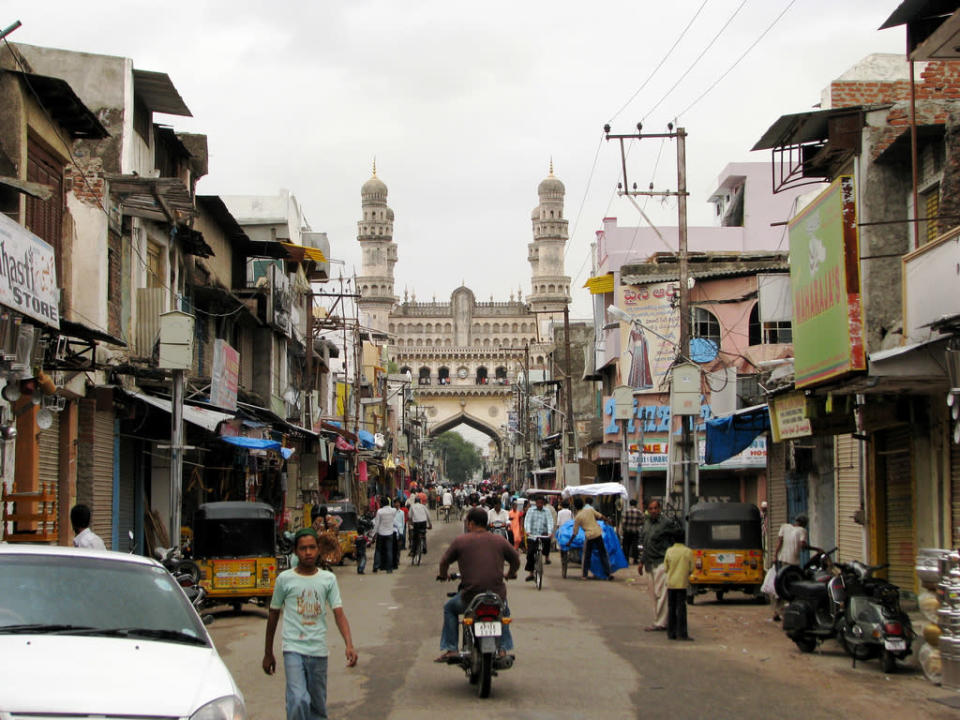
(28, 274)
(225, 377)
(788, 417)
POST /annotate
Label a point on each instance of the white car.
(93, 633)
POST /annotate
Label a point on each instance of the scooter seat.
(809, 589)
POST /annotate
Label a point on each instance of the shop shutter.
(102, 523)
(776, 493)
(49, 469)
(894, 450)
(126, 487)
(955, 490)
(846, 463)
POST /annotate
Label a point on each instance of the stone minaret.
(550, 288)
(375, 234)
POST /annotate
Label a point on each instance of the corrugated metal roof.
(912, 10)
(157, 91)
(58, 98)
(702, 266)
(805, 127)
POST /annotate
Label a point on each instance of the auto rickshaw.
(727, 543)
(236, 548)
(347, 531)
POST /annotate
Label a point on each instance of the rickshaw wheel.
(720, 594)
(237, 606)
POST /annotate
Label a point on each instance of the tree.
(461, 458)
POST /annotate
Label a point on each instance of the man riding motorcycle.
(480, 555)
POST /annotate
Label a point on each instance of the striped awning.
(600, 284)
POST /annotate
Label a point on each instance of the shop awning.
(732, 434)
(202, 417)
(252, 443)
(271, 418)
(600, 284)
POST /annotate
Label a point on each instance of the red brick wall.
(938, 81)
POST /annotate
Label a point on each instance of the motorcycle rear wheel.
(806, 644)
(888, 661)
(486, 674)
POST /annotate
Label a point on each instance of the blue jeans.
(383, 555)
(306, 686)
(452, 610)
(595, 544)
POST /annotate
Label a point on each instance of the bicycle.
(538, 559)
(416, 547)
(445, 512)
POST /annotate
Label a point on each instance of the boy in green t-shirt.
(303, 594)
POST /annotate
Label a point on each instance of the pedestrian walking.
(630, 537)
(302, 595)
(677, 564)
(657, 538)
(383, 524)
(791, 541)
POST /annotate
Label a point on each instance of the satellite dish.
(44, 419)
(703, 350)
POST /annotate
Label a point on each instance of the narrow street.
(581, 653)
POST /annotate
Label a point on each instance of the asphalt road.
(581, 653)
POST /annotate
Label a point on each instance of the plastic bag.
(768, 581)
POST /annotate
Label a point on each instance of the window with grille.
(705, 325)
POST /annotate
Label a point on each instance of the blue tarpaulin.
(366, 439)
(251, 443)
(611, 542)
(730, 435)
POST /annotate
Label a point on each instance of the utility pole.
(689, 453)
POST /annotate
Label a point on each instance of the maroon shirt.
(480, 556)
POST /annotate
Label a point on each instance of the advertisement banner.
(28, 274)
(225, 376)
(648, 349)
(824, 274)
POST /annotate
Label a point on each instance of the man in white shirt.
(419, 521)
(383, 525)
(791, 540)
(496, 514)
(84, 536)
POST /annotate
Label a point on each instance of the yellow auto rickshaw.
(235, 547)
(347, 529)
(727, 543)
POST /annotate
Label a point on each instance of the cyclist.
(538, 525)
(447, 503)
(420, 521)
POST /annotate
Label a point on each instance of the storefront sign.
(824, 273)
(788, 417)
(656, 454)
(28, 274)
(225, 376)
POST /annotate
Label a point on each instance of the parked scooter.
(481, 627)
(845, 601)
(177, 565)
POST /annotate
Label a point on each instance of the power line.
(660, 64)
(697, 60)
(583, 200)
(737, 62)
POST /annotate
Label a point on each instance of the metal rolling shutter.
(49, 452)
(894, 449)
(776, 493)
(955, 491)
(846, 463)
(102, 523)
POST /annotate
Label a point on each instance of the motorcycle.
(845, 601)
(481, 627)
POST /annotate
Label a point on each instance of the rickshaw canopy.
(234, 529)
(722, 525)
(594, 489)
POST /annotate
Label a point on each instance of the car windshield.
(71, 594)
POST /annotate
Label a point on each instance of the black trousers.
(532, 551)
(676, 613)
(631, 547)
(591, 545)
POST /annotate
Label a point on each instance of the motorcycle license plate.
(487, 629)
(895, 644)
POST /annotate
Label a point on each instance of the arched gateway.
(464, 356)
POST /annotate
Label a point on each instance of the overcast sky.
(464, 104)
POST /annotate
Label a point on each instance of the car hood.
(80, 675)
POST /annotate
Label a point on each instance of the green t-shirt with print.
(304, 600)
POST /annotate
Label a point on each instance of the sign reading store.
(28, 274)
